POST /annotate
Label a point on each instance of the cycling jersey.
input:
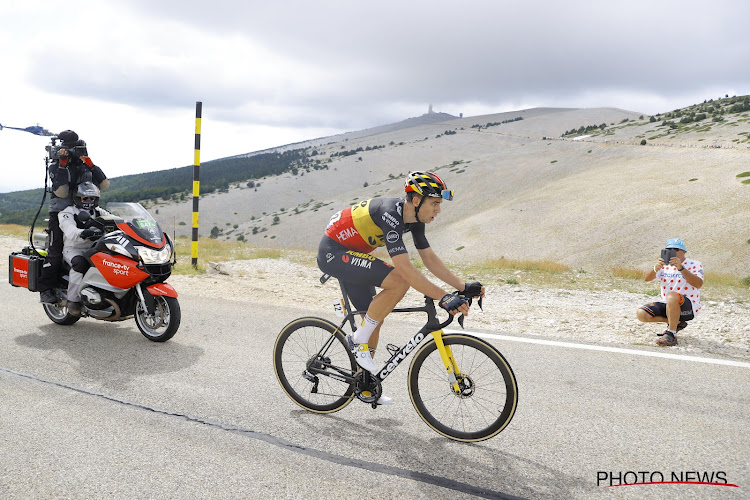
(375, 223)
(672, 280)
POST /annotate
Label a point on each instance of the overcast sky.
(125, 74)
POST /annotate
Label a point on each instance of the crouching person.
(681, 280)
(77, 240)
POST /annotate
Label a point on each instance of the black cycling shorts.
(659, 309)
(359, 272)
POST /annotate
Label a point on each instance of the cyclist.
(354, 232)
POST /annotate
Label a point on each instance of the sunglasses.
(447, 194)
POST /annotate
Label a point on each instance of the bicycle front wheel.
(488, 392)
(310, 359)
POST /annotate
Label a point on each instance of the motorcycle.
(130, 264)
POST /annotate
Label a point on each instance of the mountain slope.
(591, 203)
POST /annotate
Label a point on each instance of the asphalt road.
(97, 411)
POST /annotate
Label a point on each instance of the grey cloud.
(488, 52)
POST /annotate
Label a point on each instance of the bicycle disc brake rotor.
(466, 385)
(367, 387)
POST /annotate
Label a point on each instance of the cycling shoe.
(362, 356)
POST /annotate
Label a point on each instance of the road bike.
(461, 386)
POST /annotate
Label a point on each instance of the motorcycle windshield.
(139, 221)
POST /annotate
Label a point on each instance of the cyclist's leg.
(361, 273)
(394, 287)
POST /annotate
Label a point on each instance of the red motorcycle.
(130, 264)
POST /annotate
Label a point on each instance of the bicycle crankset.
(367, 388)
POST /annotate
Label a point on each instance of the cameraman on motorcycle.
(78, 240)
(71, 167)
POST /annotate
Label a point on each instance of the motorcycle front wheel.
(163, 324)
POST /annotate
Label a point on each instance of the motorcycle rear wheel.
(58, 313)
(165, 321)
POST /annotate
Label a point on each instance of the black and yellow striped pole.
(196, 179)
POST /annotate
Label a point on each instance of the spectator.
(681, 280)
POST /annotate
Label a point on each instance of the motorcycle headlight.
(152, 256)
(117, 248)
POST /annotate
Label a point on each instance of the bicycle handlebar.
(451, 317)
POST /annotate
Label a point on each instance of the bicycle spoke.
(482, 408)
(298, 362)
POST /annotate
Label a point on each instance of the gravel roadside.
(606, 317)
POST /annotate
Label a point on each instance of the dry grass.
(218, 251)
(542, 273)
(15, 231)
(546, 266)
(628, 272)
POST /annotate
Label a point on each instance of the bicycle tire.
(488, 404)
(297, 343)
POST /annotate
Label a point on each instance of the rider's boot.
(48, 297)
(75, 308)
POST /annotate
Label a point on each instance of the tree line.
(216, 175)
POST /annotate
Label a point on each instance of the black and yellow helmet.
(426, 183)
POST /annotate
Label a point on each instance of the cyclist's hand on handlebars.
(454, 304)
(473, 289)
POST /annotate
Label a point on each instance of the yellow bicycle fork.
(451, 368)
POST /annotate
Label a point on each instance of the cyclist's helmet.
(427, 184)
(87, 196)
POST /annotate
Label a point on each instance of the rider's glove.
(473, 289)
(87, 161)
(92, 233)
(452, 301)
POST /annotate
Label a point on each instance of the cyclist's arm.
(416, 280)
(439, 269)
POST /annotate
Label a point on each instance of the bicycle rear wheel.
(298, 348)
(488, 397)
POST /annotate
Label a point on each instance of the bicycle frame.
(432, 327)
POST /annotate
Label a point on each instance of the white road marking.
(680, 357)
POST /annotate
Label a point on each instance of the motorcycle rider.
(78, 240)
(66, 173)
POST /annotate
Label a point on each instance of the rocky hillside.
(590, 200)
